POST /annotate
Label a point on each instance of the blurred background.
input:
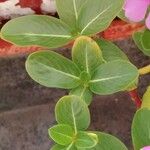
(27, 109)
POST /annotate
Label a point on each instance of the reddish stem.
(136, 98)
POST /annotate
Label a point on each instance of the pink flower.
(136, 10)
(146, 148)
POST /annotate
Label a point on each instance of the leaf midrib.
(94, 19)
(74, 120)
(86, 59)
(59, 71)
(40, 35)
(109, 78)
(75, 9)
(65, 135)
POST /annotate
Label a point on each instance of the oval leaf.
(141, 129)
(84, 93)
(58, 147)
(36, 30)
(110, 51)
(52, 70)
(86, 54)
(86, 140)
(62, 134)
(69, 147)
(108, 142)
(72, 13)
(105, 142)
(73, 111)
(146, 40)
(97, 15)
(113, 77)
(137, 37)
(146, 99)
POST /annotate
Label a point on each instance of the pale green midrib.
(50, 68)
(63, 134)
(94, 19)
(109, 78)
(75, 9)
(74, 121)
(68, 148)
(86, 60)
(83, 92)
(39, 35)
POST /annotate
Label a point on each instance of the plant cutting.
(96, 66)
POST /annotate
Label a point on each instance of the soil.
(112, 114)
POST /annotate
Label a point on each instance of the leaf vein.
(94, 19)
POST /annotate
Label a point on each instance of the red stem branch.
(136, 98)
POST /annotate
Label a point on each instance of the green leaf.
(97, 15)
(137, 37)
(122, 16)
(58, 147)
(141, 129)
(86, 140)
(36, 30)
(105, 142)
(69, 147)
(113, 77)
(62, 134)
(146, 40)
(146, 99)
(72, 13)
(73, 111)
(52, 70)
(86, 54)
(110, 51)
(108, 142)
(84, 93)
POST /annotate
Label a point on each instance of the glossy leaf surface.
(110, 51)
(69, 9)
(86, 140)
(108, 142)
(141, 129)
(112, 77)
(73, 111)
(38, 30)
(97, 15)
(86, 54)
(137, 37)
(62, 134)
(52, 70)
(146, 40)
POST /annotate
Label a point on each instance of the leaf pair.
(141, 124)
(105, 142)
(142, 40)
(87, 73)
(77, 17)
(73, 118)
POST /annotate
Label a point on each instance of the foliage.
(96, 67)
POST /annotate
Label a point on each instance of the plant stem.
(144, 70)
(136, 98)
